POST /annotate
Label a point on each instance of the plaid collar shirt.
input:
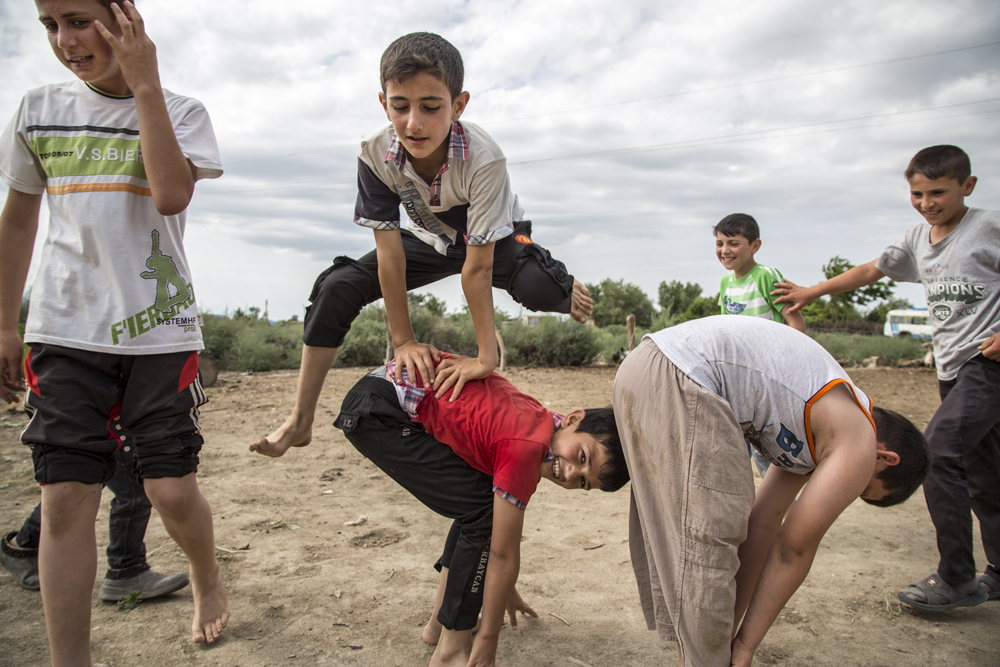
(458, 148)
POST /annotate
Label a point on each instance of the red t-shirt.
(496, 428)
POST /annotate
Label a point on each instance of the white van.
(908, 322)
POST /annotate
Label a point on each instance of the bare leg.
(297, 429)
(453, 649)
(67, 567)
(432, 631)
(583, 305)
(187, 516)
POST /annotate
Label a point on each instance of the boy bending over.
(478, 461)
(957, 258)
(451, 177)
(113, 327)
(687, 401)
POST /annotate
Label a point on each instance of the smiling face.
(577, 457)
(421, 111)
(736, 252)
(79, 46)
(941, 202)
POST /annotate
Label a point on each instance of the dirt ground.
(306, 589)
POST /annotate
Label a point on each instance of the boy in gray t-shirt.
(958, 261)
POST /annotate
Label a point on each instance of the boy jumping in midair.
(451, 177)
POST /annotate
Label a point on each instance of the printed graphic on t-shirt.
(949, 296)
(733, 307)
(84, 155)
(786, 439)
(173, 293)
(415, 207)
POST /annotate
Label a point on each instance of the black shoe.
(21, 563)
(147, 584)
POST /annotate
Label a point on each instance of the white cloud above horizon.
(630, 128)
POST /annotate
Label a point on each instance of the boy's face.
(421, 111)
(736, 252)
(941, 201)
(577, 457)
(77, 43)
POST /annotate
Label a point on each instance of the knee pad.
(540, 282)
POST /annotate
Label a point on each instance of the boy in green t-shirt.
(747, 290)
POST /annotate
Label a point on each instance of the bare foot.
(456, 659)
(432, 631)
(289, 434)
(583, 305)
(211, 610)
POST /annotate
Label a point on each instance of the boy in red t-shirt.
(478, 460)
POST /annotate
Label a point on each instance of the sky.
(630, 128)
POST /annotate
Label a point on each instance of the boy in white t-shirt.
(687, 402)
(957, 258)
(113, 327)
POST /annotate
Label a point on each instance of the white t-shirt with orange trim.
(113, 276)
(769, 373)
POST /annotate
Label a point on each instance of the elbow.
(174, 204)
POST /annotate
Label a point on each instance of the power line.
(658, 97)
(744, 83)
(702, 140)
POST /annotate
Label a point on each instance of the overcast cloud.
(630, 128)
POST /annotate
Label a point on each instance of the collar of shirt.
(458, 148)
(557, 420)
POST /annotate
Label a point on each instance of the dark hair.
(941, 162)
(899, 435)
(107, 5)
(423, 52)
(738, 223)
(600, 423)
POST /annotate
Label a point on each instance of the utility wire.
(745, 83)
(751, 135)
(701, 140)
(355, 144)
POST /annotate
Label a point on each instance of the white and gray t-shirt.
(770, 374)
(113, 276)
(961, 278)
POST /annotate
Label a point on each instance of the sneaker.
(21, 563)
(147, 584)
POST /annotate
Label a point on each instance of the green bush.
(855, 347)
(243, 342)
(553, 341)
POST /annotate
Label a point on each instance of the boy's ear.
(888, 457)
(384, 102)
(755, 246)
(573, 418)
(969, 186)
(458, 104)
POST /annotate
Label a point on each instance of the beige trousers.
(692, 489)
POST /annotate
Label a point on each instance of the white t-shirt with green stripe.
(113, 276)
(751, 294)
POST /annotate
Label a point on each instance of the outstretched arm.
(852, 279)
(501, 575)
(169, 172)
(477, 283)
(18, 226)
(793, 318)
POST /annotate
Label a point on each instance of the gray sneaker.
(22, 563)
(147, 584)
